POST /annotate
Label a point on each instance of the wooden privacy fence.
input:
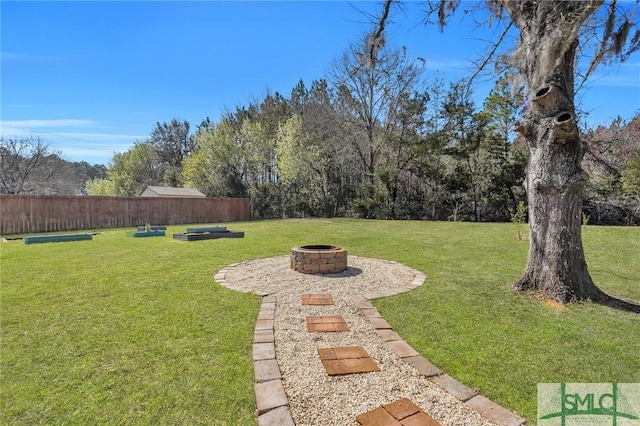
(47, 213)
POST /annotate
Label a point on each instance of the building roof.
(167, 191)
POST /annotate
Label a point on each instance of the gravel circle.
(314, 397)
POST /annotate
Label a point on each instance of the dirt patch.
(554, 304)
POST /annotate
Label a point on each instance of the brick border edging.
(272, 400)
(472, 399)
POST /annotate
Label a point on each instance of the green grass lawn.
(134, 330)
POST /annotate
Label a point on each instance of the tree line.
(374, 139)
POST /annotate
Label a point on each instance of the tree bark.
(556, 266)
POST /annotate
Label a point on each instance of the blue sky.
(91, 78)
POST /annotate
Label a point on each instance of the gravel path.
(314, 397)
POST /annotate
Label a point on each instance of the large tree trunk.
(556, 266)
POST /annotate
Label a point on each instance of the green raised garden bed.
(35, 239)
(142, 234)
(197, 236)
(207, 229)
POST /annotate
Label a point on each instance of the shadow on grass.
(620, 304)
(604, 299)
(601, 299)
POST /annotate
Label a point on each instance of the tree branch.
(490, 56)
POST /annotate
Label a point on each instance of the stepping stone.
(402, 412)
(341, 361)
(420, 419)
(328, 324)
(350, 366)
(317, 299)
(342, 353)
(402, 408)
(377, 417)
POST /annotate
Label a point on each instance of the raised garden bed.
(197, 236)
(206, 229)
(35, 239)
(142, 234)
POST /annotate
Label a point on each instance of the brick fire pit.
(318, 259)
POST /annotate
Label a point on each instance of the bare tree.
(545, 57)
(24, 164)
(375, 88)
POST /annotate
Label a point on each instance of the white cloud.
(102, 152)
(69, 136)
(99, 136)
(95, 144)
(37, 124)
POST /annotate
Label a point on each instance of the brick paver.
(343, 367)
(377, 417)
(351, 360)
(342, 353)
(420, 419)
(326, 324)
(402, 412)
(402, 408)
(317, 299)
